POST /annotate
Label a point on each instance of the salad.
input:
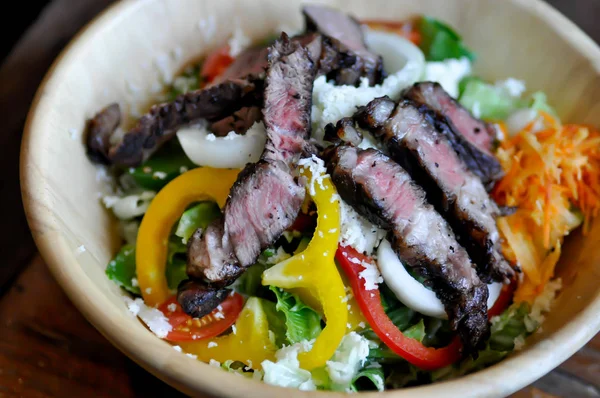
(344, 208)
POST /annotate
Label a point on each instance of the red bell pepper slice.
(369, 301)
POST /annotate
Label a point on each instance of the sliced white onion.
(410, 291)
(233, 151)
(398, 53)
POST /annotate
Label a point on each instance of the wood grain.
(46, 347)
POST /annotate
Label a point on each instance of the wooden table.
(47, 348)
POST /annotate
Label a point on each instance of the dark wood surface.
(47, 348)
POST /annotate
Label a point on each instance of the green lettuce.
(369, 379)
(276, 321)
(492, 103)
(302, 322)
(440, 42)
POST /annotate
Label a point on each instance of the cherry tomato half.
(186, 328)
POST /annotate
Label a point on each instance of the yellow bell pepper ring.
(164, 211)
(248, 343)
(315, 271)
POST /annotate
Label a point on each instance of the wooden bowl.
(134, 44)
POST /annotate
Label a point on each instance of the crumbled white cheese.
(358, 232)
(135, 283)
(332, 102)
(183, 169)
(159, 175)
(211, 137)
(212, 344)
(448, 73)
(233, 329)
(371, 275)
(317, 173)
(362, 326)
(286, 372)
(148, 290)
(219, 315)
(177, 348)
(512, 86)
(214, 363)
(172, 307)
(152, 317)
(80, 249)
(347, 360)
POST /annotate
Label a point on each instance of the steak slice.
(414, 142)
(199, 299)
(265, 200)
(100, 128)
(346, 35)
(381, 190)
(163, 120)
(239, 122)
(251, 63)
(343, 131)
(471, 138)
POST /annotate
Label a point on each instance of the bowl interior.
(135, 46)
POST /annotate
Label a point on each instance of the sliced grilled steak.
(251, 63)
(379, 189)
(414, 142)
(265, 200)
(343, 131)
(162, 121)
(346, 34)
(199, 299)
(471, 138)
(100, 128)
(239, 122)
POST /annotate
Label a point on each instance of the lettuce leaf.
(369, 379)
(487, 101)
(440, 42)
(302, 322)
(121, 269)
(511, 324)
(276, 321)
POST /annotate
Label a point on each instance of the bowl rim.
(54, 249)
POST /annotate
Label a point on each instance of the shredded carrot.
(552, 176)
